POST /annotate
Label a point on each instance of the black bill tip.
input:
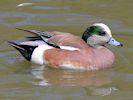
(121, 44)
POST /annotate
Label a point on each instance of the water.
(22, 80)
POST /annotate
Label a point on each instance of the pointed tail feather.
(25, 50)
(36, 32)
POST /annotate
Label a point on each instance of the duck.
(64, 50)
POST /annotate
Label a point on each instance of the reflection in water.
(102, 91)
(53, 77)
(91, 81)
(38, 74)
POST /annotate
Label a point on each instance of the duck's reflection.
(45, 76)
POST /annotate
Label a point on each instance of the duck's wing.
(56, 38)
(44, 34)
(37, 34)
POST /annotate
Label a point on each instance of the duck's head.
(99, 34)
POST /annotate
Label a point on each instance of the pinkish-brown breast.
(103, 57)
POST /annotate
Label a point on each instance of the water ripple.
(59, 20)
(48, 8)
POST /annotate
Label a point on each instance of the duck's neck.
(96, 46)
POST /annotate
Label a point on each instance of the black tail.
(25, 50)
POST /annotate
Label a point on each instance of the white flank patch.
(69, 48)
(37, 55)
(71, 66)
(105, 27)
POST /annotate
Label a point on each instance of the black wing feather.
(40, 35)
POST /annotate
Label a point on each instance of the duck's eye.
(102, 33)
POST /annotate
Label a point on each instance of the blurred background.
(22, 80)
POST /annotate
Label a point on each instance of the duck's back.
(67, 39)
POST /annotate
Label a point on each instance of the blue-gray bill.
(113, 42)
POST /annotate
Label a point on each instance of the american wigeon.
(67, 51)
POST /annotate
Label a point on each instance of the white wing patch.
(69, 48)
